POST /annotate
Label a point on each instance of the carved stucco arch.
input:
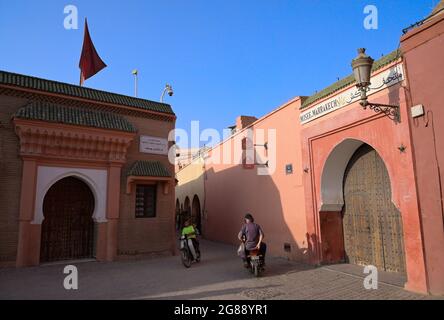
(96, 180)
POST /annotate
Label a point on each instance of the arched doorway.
(68, 226)
(195, 213)
(187, 208)
(177, 221)
(372, 225)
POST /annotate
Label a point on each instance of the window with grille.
(145, 201)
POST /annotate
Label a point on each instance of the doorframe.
(92, 246)
(50, 144)
(318, 141)
(391, 203)
(95, 179)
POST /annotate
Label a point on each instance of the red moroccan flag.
(90, 62)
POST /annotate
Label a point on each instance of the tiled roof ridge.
(345, 82)
(148, 168)
(52, 86)
(57, 113)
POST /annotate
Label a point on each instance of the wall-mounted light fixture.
(362, 68)
(262, 164)
(265, 145)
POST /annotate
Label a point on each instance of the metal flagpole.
(135, 73)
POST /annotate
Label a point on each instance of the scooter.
(188, 253)
(256, 262)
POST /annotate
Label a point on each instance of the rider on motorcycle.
(252, 235)
(191, 233)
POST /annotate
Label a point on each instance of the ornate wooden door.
(373, 232)
(68, 227)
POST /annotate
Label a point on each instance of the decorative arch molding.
(332, 178)
(332, 197)
(96, 179)
(45, 140)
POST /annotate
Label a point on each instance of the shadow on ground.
(219, 275)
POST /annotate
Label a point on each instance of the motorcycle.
(188, 252)
(256, 262)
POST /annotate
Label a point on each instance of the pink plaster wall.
(288, 206)
(321, 136)
(276, 201)
(423, 51)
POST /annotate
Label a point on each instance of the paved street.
(220, 275)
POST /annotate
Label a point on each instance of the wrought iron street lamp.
(362, 68)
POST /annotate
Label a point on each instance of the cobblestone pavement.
(220, 275)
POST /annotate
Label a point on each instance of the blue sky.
(223, 57)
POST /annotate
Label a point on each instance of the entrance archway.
(196, 214)
(373, 233)
(187, 208)
(68, 226)
(359, 223)
(177, 218)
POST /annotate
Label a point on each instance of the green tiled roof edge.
(345, 82)
(34, 83)
(143, 168)
(74, 116)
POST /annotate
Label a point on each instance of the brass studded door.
(373, 232)
(68, 227)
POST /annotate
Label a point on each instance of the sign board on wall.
(381, 81)
(153, 145)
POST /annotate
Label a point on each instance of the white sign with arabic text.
(153, 145)
(381, 81)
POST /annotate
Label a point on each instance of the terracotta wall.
(146, 235)
(134, 236)
(319, 140)
(289, 206)
(10, 180)
(423, 50)
(191, 184)
(276, 201)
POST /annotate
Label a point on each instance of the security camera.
(170, 90)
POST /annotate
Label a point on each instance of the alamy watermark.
(250, 147)
(71, 21)
(371, 281)
(71, 281)
(371, 18)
